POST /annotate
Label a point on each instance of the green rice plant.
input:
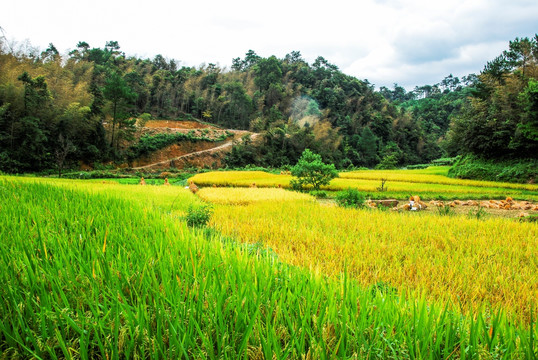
(477, 213)
(445, 211)
(93, 270)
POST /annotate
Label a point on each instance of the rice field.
(245, 196)
(94, 270)
(431, 175)
(472, 263)
(427, 183)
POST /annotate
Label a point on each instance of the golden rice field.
(427, 183)
(431, 175)
(472, 263)
(245, 196)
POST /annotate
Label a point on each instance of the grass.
(92, 270)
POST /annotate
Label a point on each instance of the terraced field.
(429, 183)
(106, 270)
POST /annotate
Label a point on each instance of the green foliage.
(144, 118)
(518, 171)
(500, 120)
(95, 174)
(417, 166)
(389, 162)
(531, 218)
(339, 117)
(310, 170)
(445, 161)
(367, 148)
(529, 100)
(352, 198)
(320, 194)
(268, 72)
(118, 92)
(198, 215)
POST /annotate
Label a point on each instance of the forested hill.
(84, 106)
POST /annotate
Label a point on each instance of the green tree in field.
(311, 170)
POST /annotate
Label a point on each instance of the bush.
(417, 166)
(350, 198)
(143, 119)
(198, 216)
(320, 194)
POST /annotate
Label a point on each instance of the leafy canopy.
(311, 170)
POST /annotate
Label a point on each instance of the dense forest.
(61, 110)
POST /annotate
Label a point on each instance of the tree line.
(82, 107)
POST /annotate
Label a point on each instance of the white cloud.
(385, 41)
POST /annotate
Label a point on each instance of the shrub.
(143, 119)
(198, 216)
(320, 194)
(417, 166)
(350, 198)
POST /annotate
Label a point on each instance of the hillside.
(186, 153)
(59, 111)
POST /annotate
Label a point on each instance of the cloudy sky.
(411, 43)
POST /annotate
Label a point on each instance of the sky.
(412, 43)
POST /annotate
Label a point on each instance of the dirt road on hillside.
(168, 162)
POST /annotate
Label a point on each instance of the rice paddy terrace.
(95, 269)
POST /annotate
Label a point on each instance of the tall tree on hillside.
(367, 148)
(117, 92)
(268, 71)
